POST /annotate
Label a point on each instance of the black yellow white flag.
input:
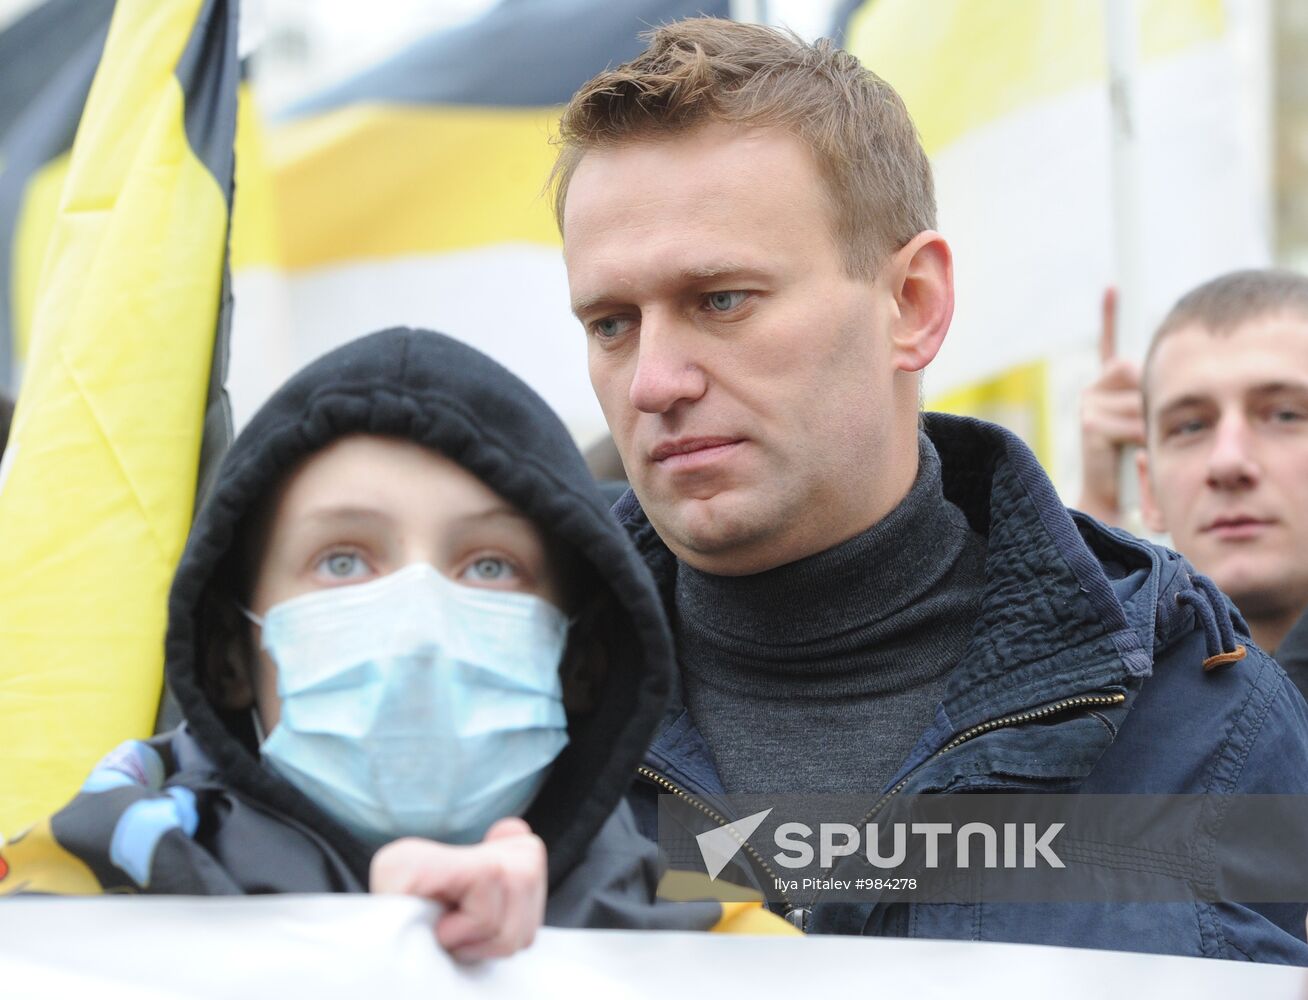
(1012, 102)
(122, 385)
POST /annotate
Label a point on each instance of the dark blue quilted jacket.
(1107, 636)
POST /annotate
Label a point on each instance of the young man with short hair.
(1221, 410)
(1225, 468)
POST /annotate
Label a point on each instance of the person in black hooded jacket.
(453, 631)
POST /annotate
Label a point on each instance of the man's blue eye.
(610, 326)
(725, 301)
(1185, 427)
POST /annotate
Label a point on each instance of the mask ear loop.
(259, 734)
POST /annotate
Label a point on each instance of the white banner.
(365, 946)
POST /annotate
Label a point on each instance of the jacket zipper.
(797, 916)
(722, 821)
(1080, 701)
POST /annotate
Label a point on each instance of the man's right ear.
(921, 275)
(228, 657)
(1149, 510)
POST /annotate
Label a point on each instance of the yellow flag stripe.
(99, 477)
(31, 237)
(254, 241)
(403, 181)
(1018, 398)
(752, 918)
(34, 861)
(969, 63)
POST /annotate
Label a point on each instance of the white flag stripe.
(1024, 201)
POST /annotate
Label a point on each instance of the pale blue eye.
(725, 301)
(343, 565)
(1185, 428)
(489, 569)
(611, 327)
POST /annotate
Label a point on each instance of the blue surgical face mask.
(413, 705)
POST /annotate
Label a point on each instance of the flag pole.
(1121, 43)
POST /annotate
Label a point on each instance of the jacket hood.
(427, 388)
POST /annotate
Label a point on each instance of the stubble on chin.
(721, 534)
(1265, 594)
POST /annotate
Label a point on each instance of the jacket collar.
(1052, 625)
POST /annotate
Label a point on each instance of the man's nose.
(667, 370)
(1232, 463)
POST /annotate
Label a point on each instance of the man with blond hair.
(1221, 409)
(868, 601)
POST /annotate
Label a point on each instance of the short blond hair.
(708, 70)
(1226, 303)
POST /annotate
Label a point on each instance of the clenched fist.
(493, 892)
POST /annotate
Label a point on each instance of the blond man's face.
(1225, 471)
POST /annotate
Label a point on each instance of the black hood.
(427, 388)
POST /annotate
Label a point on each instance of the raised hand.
(1112, 417)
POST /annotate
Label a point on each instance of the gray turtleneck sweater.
(819, 676)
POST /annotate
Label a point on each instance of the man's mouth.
(691, 452)
(1236, 527)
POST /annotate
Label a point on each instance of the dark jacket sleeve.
(615, 887)
(1265, 752)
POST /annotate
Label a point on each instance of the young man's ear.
(586, 659)
(921, 275)
(1149, 510)
(228, 652)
